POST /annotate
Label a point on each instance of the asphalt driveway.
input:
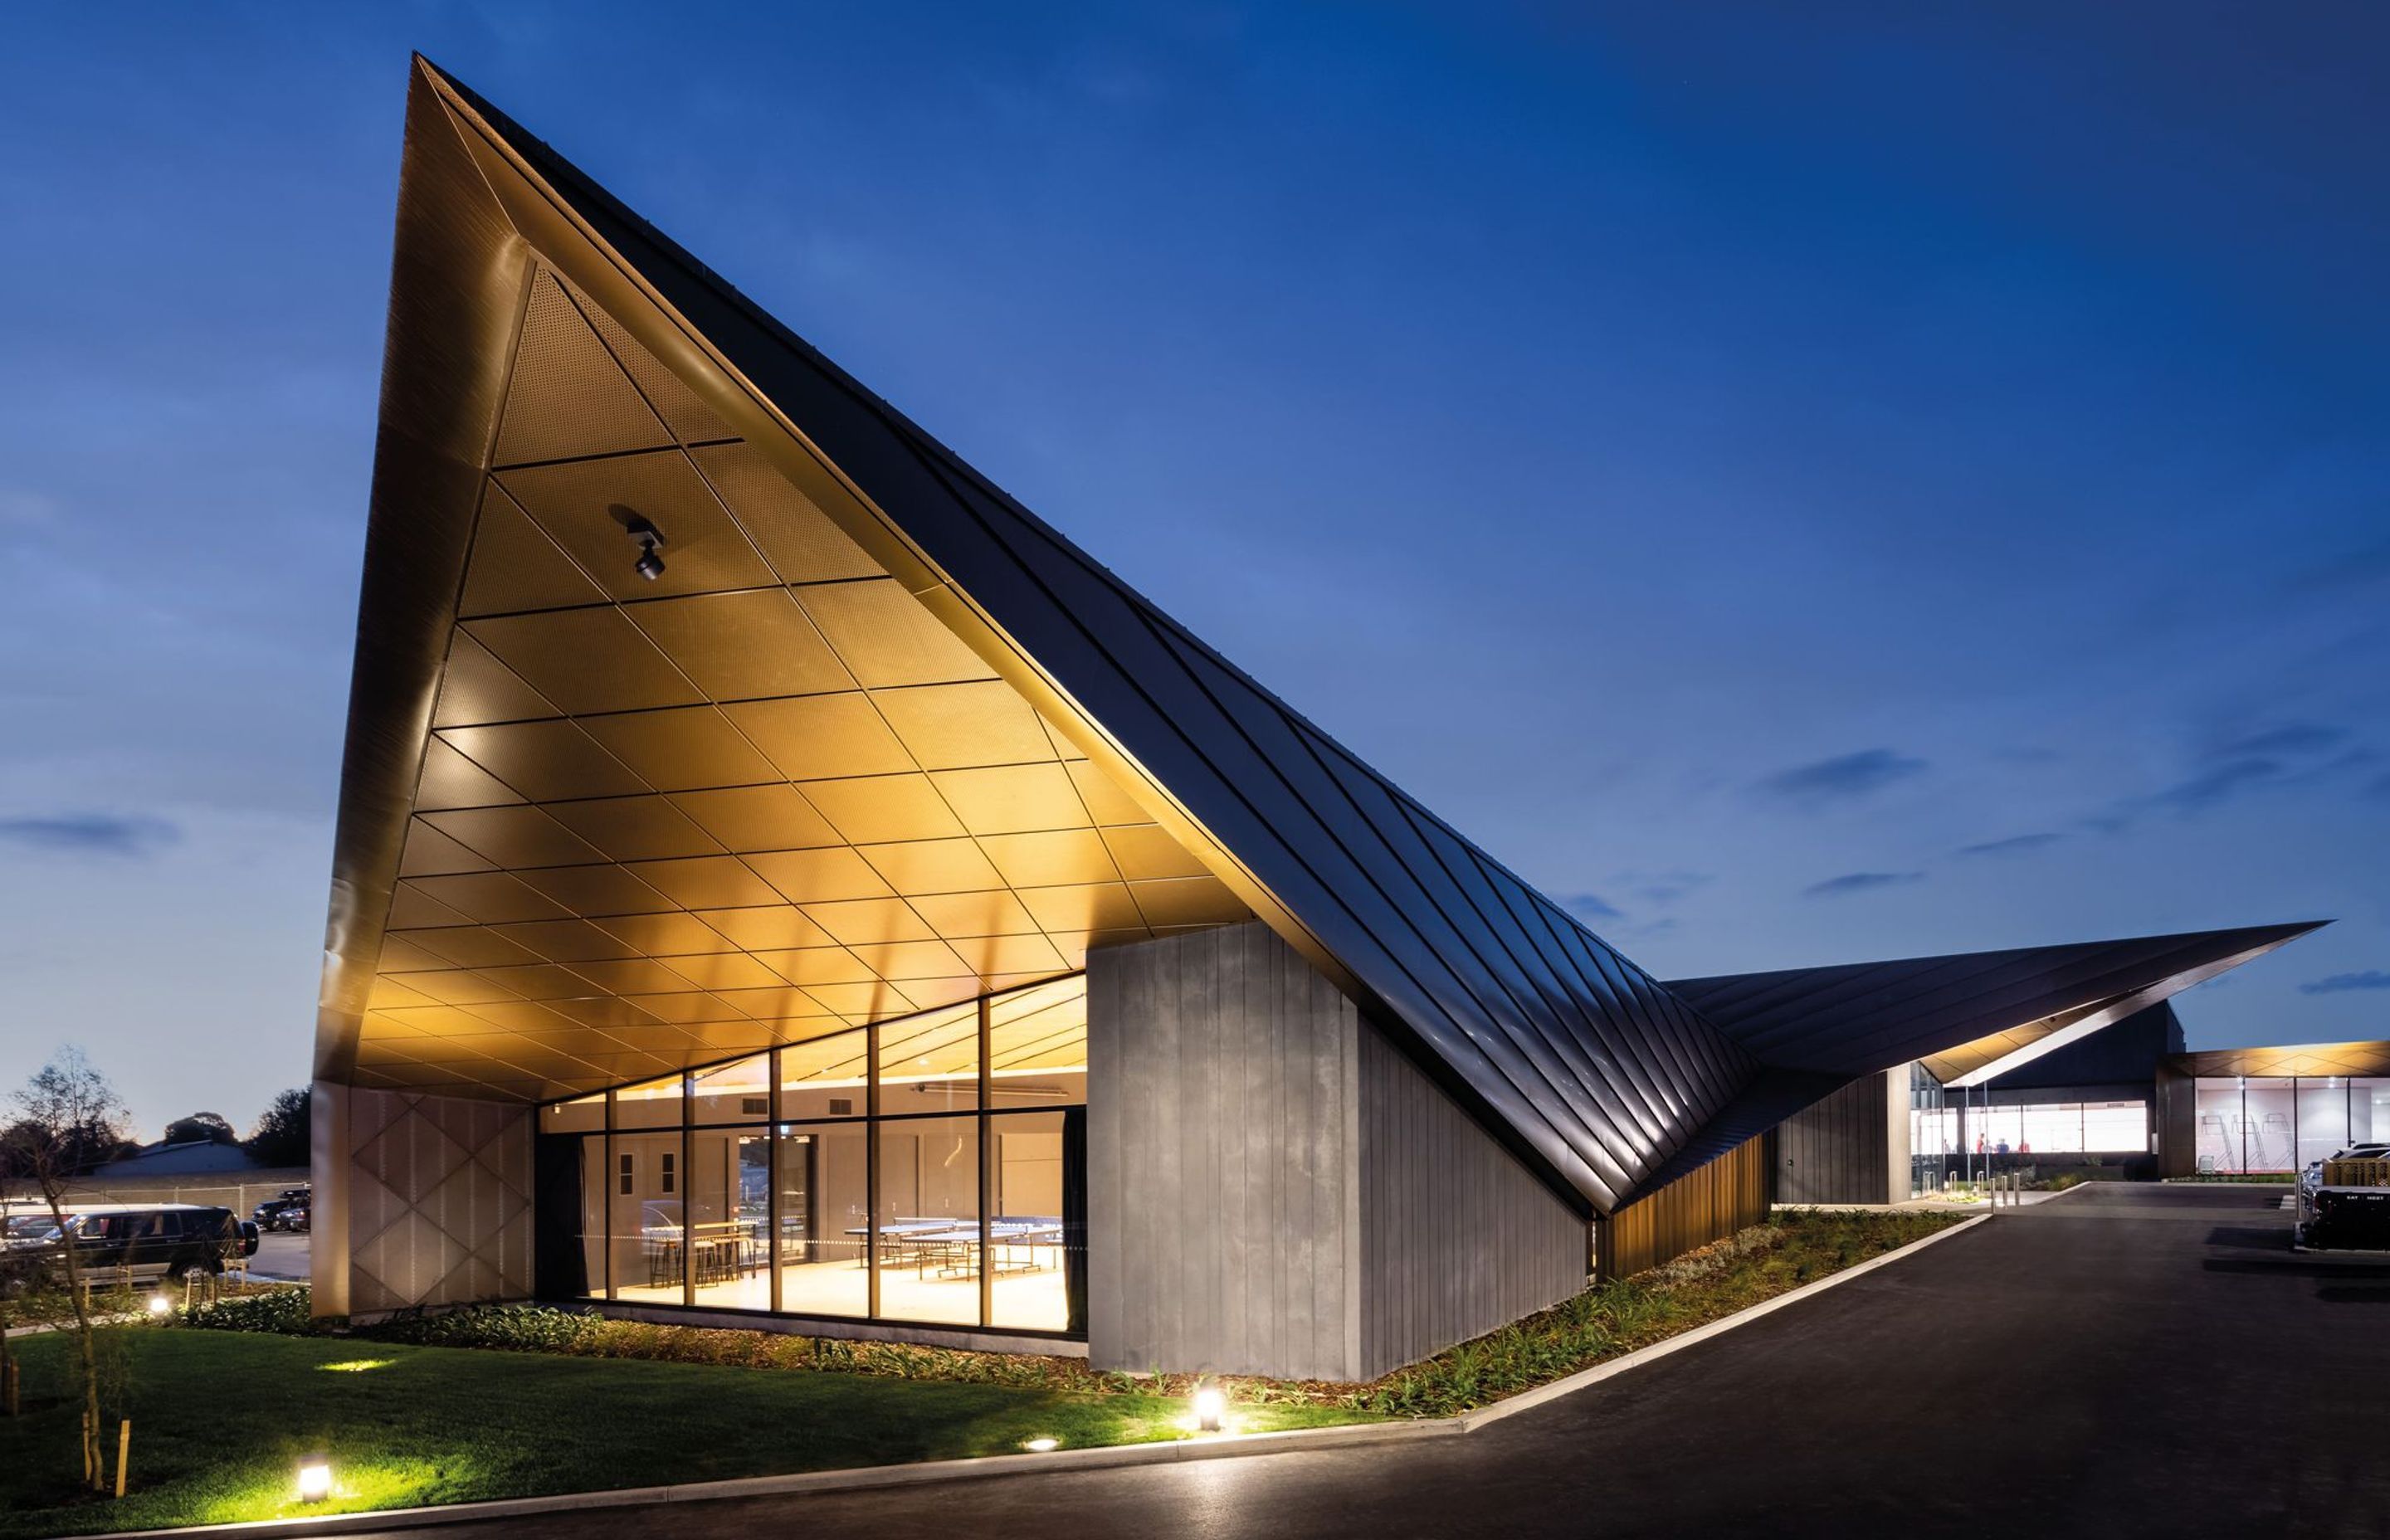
(2127, 1360)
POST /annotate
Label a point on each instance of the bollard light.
(1043, 1446)
(314, 1479)
(159, 1304)
(1211, 1406)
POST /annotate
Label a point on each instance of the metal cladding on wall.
(543, 939)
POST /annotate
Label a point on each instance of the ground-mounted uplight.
(159, 1304)
(1211, 1408)
(355, 1366)
(314, 1479)
(1043, 1446)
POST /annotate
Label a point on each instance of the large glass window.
(928, 1220)
(644, 1215)
(828, 1077)
(1929, 1132)
(2323, 1118)
(729, 1189)
(1037, 1233)
(825, 1203)
(2369, 1110)
(2216, 1106)
(1037, 1046)
(653, 1105)
(748, 1185)
(732, 1092)
(930, 1063)
(2267, 1112)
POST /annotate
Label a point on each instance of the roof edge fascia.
(459, 272)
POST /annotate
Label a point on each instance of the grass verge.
(220, 1422)
(422, 1411)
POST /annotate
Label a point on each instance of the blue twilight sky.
(1894, 479)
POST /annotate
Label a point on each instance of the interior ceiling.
(2293, 1059)
(762, 797)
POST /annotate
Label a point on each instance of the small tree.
(281, 1138)
(71, 1112)
(210, 1126)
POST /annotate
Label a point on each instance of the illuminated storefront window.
(929, 1169)
(2275, 1124)
(2047, 1128)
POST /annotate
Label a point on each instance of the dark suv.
(156, 1240)
(286, 1210)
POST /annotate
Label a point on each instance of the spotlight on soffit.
(645, 535)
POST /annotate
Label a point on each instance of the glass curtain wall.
(1930, 1137)
(2273, 1123)
(930, 1169)
(2047, 1128)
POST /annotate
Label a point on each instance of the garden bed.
(521, 1400)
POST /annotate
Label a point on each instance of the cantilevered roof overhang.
(1970, 1016)
(876, 739)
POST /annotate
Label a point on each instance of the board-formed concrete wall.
(1274, 1189)
(420, 1200)
(1456, 1236)
(1222, 1214)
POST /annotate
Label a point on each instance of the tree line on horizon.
(279, 1137)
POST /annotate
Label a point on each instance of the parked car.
(2345, 1202)
(274, 1213)
(147, 1242)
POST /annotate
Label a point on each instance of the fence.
(240, 1192)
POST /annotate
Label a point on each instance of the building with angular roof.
(780, 879)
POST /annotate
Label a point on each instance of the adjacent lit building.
(781, 881)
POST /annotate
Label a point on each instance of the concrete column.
(328, 1235)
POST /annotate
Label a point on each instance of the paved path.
(2131, 1360)
(281, 1257)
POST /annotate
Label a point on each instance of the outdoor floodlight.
(314, 1479)
(1211, 1406)
(647, 537)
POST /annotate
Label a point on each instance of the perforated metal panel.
(658, 821)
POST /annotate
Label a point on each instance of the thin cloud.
(1858, 883)
(2339, 984)
(2015, 844)
(1663, 887)
(2221, 784)
(88, 834)
(2358, 569)
(1845, 777)
(2297, 738)
(1590, 907)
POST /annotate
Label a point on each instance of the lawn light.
(1211, 1406)
(159, 1304)
(314, 1479)
(1043, 1446)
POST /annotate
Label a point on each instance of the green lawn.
(220, 1420)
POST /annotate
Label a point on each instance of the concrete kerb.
(866, 1478)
